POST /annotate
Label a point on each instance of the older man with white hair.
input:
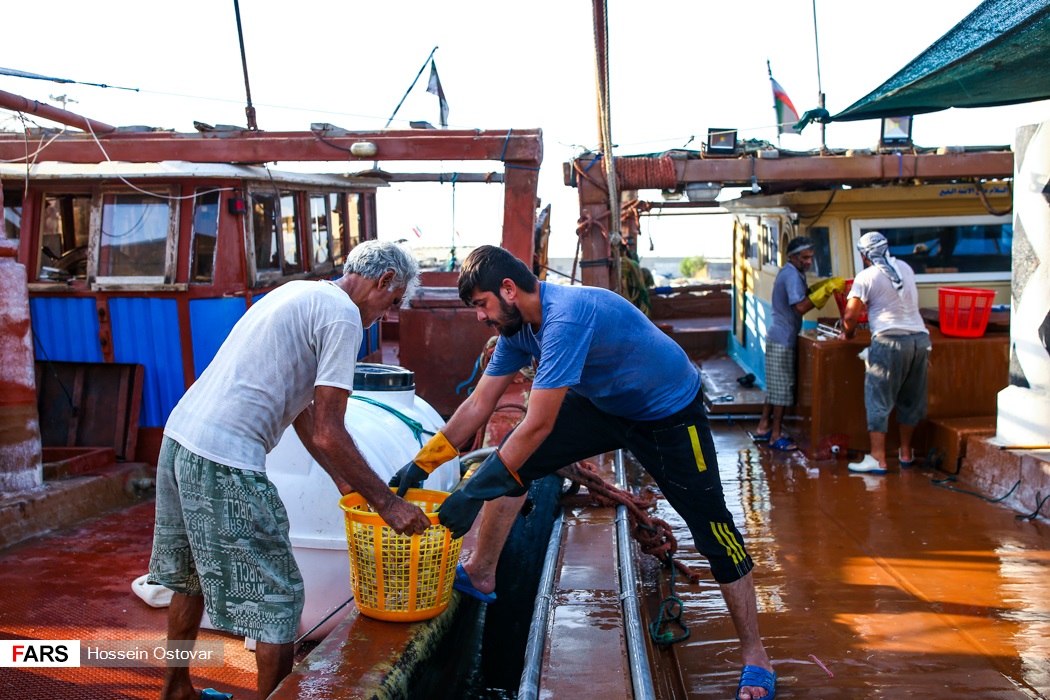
(221, 534)
(899, 355)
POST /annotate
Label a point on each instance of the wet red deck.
(868, 587)
(76, 584)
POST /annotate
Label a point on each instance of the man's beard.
(509, 322)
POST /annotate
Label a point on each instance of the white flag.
(434, 88)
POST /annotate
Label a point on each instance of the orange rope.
(586, 222)
(645, 173)
(632, 211)
(636, 173)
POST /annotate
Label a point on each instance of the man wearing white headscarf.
(898, 358)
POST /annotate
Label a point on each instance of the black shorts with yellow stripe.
(677, 451)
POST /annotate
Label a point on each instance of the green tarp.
(998, 55)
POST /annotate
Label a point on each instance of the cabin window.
(769, 245)
(290, 260)
(275, 235)
(64, 227)
(204, 235)
(353, 221)
(265, 227)
(821, 237)
(320, 232)
(12, 214)
(135, 240)
(947, 249)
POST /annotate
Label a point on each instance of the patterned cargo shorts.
(222, 533)
(780, 375)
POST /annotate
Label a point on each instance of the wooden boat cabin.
(952, 235)
(154, 263)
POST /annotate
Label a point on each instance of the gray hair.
(371, 259)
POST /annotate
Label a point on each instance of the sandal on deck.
(905, 465)
(758, 677)
(783, 444)
(761, 437)
(463, 584)
(213, 694)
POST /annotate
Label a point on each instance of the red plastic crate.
(840, 299)
(964, 312)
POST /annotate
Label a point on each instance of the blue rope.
(506, 141)
(415, 426)
(477, 366)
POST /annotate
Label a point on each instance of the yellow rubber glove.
(436, 452)
(820, 292)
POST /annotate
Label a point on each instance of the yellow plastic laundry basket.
(396, 577)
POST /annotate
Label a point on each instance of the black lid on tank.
(371, 376)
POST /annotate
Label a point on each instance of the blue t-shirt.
(597, 343)
(788, 290)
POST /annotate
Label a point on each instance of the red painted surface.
(19, 423)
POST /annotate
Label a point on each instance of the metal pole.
(638, 660)
(249, 110)
(529, 687)
(414, 80)
(820, 88)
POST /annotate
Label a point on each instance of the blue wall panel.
(147, 331)
(370, 341)
(65, 329)
(211, 320)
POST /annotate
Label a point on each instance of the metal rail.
(641, 677)
(529, 687)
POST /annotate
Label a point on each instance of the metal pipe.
(638, 660)
(18, 103)
(529, 687)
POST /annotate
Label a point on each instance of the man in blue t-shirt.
(791, 299)
(607, 379)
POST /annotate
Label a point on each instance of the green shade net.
(998, 55)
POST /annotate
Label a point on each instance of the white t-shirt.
(301, 335)
(889, 313)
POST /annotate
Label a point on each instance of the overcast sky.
(678, 68)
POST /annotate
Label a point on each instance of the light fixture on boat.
(703, 191)
(721, 141)
(363, 149)
(670, 195)
(896, 131)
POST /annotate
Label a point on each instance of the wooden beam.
(442, 177)
(519, 211)
(523, 146)
(737, 172)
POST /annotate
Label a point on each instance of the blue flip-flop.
(761, 437)
(756, 676)
(462, 583)
(213, 694)
(783, 444)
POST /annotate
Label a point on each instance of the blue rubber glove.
(489, 482)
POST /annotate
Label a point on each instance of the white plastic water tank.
(316, 524)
